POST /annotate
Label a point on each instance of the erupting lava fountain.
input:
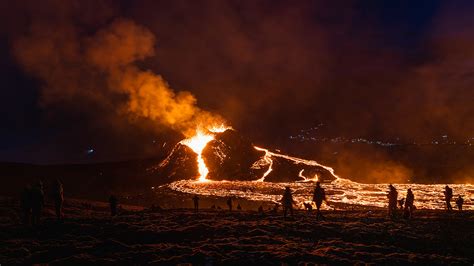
(198, 142)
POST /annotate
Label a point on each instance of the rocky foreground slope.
(217, 237)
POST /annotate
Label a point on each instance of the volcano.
(232, 157)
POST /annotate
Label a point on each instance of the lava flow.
(342, 193)
(204, 135)
(198, 142)
(314, 179)
(268, 159)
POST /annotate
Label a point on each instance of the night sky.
(373, 69)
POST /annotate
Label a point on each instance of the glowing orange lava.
(314, 179)
(342, 193)
(198, 142)
(267, 159)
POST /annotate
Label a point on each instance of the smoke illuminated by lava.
(102, 69)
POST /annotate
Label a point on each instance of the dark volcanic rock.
(244, 237)
(283, 171)
(230, 157)
(180, 164)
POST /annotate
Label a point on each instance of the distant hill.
(80, 180)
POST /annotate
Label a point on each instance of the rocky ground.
(89, 235)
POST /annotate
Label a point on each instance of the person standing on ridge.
(287, 201)
(392, 200)
(319, 196)
(58, 197)
(196, 203)
(229, 203)
(448, 195)
(409, 204)
(37, 203)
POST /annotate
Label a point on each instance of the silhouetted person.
(260, 209)
(401, 202)
(392, 200)
(287, 201)
(239, 207)
(409, 204)
(459, 202)
(37, 203)
(448, 195)
(113, 201)
(25, 204)
(213, 207)
(196, 203)
(229, 203)
(318, 196)
(58, 197)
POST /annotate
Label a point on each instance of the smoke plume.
(102, 68)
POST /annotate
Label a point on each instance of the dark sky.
(375, 69)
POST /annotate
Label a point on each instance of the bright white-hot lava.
(198, 142)
(268, 160)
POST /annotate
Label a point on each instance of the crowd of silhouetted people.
(407, 204)
(404, 205)
(287, 203)
(33, 201)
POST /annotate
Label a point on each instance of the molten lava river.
(341, 193)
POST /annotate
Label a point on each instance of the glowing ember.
(198, 142)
